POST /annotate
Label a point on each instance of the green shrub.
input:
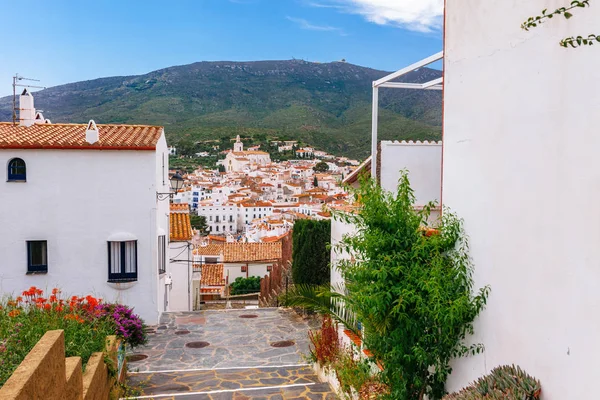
(310, 253)
(411, 288)
(505, 382)
(245, 285)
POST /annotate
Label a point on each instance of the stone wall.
(46, 374)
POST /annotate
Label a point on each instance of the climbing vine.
(573, 41)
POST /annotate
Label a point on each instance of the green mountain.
(327, 105)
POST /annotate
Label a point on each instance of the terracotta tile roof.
(213, 249)
(245, 252)
(180, 207)
(212, 275)
(217, 238)
(72, 136)
(179, 219)
(273, 238)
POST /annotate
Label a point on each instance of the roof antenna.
(18, 78)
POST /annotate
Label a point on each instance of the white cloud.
(416, 15)
(304, 24)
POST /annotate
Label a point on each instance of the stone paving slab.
(214, 380)
(233, 341)
(320, 391)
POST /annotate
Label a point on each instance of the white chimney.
(91, 134)
(26, 109)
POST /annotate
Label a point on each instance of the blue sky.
(63, 41)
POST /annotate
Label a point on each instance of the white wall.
(423, 162)
(254, 269)
(162, 219)
(75, 200)
(521, 167)
(180, 271)
(338, 230)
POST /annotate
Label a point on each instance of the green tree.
(321, 167)
(410, 287)
(221, 168)
(245, 285)
(186, 147)
(315, 182)
(199, 222)
(310, 253)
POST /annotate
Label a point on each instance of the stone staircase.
(272, 383)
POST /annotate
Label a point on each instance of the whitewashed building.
(422, 160)
(220, 218)
(79, 210)
(239, 160)
(521, 167)
(249, 211)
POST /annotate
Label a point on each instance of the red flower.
(47, 306)
(19, 299)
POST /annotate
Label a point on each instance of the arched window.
(17, 170)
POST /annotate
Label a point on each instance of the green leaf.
(568, 15)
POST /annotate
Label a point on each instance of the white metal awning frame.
(385, 82)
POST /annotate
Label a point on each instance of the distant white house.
(238, 159)
(172, 150)
(79, 210)
(220, 218)
(239, 259)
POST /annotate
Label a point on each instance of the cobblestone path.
(227, 355)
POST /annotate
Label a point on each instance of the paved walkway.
(230, 354)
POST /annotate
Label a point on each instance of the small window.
(211, 260)
(37, 256)
(162, 251)
(122, 261)
(17, 171)
(217, 227)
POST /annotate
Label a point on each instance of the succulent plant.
(507, 382)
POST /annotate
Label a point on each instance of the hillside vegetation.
(327, 105)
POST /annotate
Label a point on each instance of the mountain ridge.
(325, 104)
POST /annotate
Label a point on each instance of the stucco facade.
(77, 200)
(521, 167)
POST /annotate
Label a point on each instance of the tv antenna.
(16, 79)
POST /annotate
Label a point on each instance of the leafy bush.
(85, 320)
(411, 289)
(245, 285)
(310, 253)
(505, 382)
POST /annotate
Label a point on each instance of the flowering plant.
(86, 321)
(129, 326)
